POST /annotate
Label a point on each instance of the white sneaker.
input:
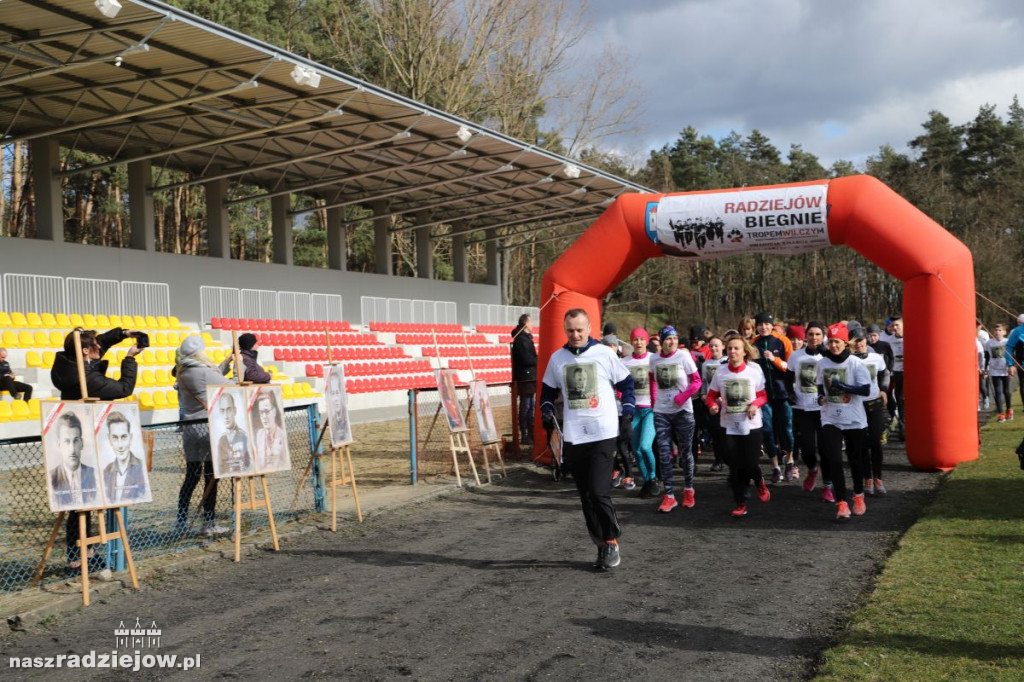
(212, 529)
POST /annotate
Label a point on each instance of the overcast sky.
(839, 78)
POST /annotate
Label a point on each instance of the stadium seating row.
(19, 410)
(440, 339)
(480, 363)
(369, 369)
(279, 340)
(414, 327)
(460, 351)
(495, 328)
(18, 320)
(401, 383)
(259, 324)
(320, 354)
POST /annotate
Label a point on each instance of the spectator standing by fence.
(524, 373)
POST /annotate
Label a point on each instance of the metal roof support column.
(424, 254)
(493, 264)
(218, 224)
(382, 239)
(141, 213)
(281, 228)
(459, 251)
(45, 153)
(337, 240)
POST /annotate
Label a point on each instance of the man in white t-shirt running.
(588, 374)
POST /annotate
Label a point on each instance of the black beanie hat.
(247, 341)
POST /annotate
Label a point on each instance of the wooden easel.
(84, 541)
(459, 442)
(338, 457)
(496, 444)
(252, 504)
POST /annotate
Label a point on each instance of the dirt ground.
(495, 583)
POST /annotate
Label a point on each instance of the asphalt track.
(496, 583)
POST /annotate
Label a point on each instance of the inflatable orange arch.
(937, 271)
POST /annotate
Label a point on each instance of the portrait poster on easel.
(69, 450)
(122, 453)
(337, 406)
(482, 408)
(450, 399)
(229, 432)
(266, 422)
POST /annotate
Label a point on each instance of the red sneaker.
(858, 505)
(842, 510)
(827, 495)
(740, 510)
(763, 493)
(688, 500)
(668, 503)
(812, 478)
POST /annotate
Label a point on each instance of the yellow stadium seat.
(63, 321)
(49, 321)
(147, 378)
(173, 340)
(163, 378)
(25, 339)
(56, 339)
(102, 322)
(160, 400)
(145, 401)
(20, 411)
(90, 321)
(159, 339)
(162, 322)
(18, 320)
(115, 374)
(48, 357)
(6, 414)
(115, 321)
(151, 322)
(33, 359)
(34, 321)
(175, 322)
(35, 408)
(207, 339)
(41, 339)
(140, 322)
(5, 320)
(163, 357)
(288, 391)
(76, 320)
(10, 339)
(172, 399)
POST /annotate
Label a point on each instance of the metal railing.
(379, 309)
(146, 298)
(219, 302)
(93, 296)
(154, 528)
(259, 303)
(34, 293)
(482, 313)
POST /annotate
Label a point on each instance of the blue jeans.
(643, 442)
(778, 426)
(678, 427)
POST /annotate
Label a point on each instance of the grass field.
(949, 603)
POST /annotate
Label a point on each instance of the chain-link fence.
(433, 447)
(153, 528)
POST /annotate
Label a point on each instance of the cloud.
(840, 79)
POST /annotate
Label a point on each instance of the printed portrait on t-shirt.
(710, 368)
(581, 385)
(833, 394)
(737, 394)
(667, 376)
(872, 371)
(641, 379)
(997, 351)
(808, 375)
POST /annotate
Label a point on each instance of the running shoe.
(869, 486)
(611, 555)
(827, 495)
(789, 475)
(879, 488)
(628, 483)
(1009, 415)
(763, 493)
(842, 510)
(1002, 418)
(859, 507)
(602, 553)
(739, 510)
(668, 503)
(776, 475)
(648, 489)
(987, 403)
(717, 466)
(811, 480)
(688, 500)
(616, 478)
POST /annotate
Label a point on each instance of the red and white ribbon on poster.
(103, 417)
(51, 418)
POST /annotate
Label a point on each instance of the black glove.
(626, 426)
(548, 419)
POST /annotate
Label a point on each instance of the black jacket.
(524, 356)
(775, 381)
(64, 374)
(885, 350)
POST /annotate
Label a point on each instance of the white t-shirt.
(876, 365)
(738, 389)
(672, 375)
(640, 369)
(844, 410)
(708, 371)
(586, 381)
(997, 364)
(805, 371)
(896, 343)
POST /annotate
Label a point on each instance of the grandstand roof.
(155, 83)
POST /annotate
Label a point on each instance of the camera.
(141, 339)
